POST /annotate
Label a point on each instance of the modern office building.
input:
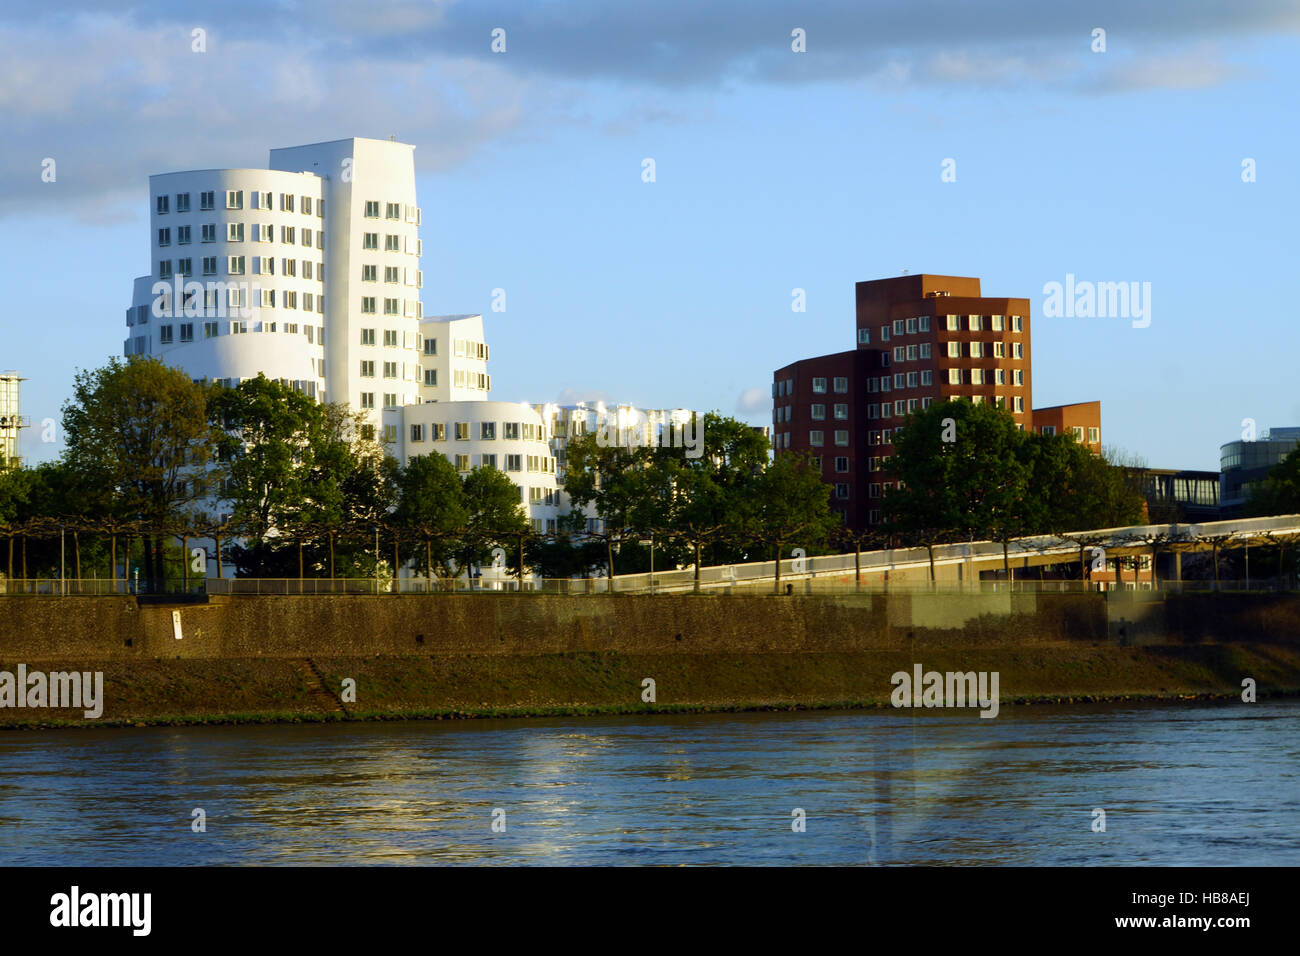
(920, 338)
(1243, 464)
(307, 271)
(12, 421)
(1178, 496)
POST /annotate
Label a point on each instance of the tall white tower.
(307, 272)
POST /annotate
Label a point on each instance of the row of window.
(393, 211)
(534, 464)
(184, 332)
(260, 232)
(786, 386)
(262, 265)
(487, 431)
(235, 200)
(411, 308)
(393, 275)
(1094, 433)
(469, 348)
(392, 243)
(392, 338)
(402, 370)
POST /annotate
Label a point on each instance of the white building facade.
(307, 272)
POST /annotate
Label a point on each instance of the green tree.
(432, 509)
(1279, 492)
(790, 503)
(495, 518)
(140, 431)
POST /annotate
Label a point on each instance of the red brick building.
(920, 339)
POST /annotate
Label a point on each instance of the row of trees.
(289, 487)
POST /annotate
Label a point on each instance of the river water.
(1193, 783)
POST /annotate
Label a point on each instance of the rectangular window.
(207, 200)
(999, 350)
(392, 243)
(977, 350)
(927, 378)
(954, 323)
(873, 410)
(886, 383)
(1020, 404)
(912, 353)
(974, 323)
(306, 205)
(183, 235)
(884, 333)
(1094, 435)
(164, 237)
(841, 464)
(900, 380)
(417, 433)
(370, 240)
(164, 268)
(911, 379)
(842, 437)
(368, 305)
(898, 326)
(367, 369)
(390, 338)
(390, 370)
(391, 307)
(816, 439)
(925, 350)
(819, 385)
(234, 199)
(924, 321)
(372, 209)
(1015, 323)
(864, 336)
(234, 232)
(514, 462)
(818, 412)
(841, 385)
(841, 490)
(235, 265)
(287, 234)
(954, 350)
(1017, 350)
(165, 334)
(163, 204)
(995, 323)
(911, 326)
(431, 377)
(393, 210)
(210, 330)
(900, 353)
(390, 400)
(487, 431)
(954, 376)
(1017, 377)
(999, 376)
(185, 267)
(900, 408)
(209, 232)
(842, 411)
(489, 461)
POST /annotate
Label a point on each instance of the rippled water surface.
(1184, 784)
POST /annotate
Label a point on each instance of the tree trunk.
(112, 560)
(1215, 552)
(778, 568)
(609, 564)
(929, 547)
(216, 540)
(697, 567)
(521, 563)
(397, 560)
(331, 558)
(185, 561)
(24, 560)
(428, 564)
(857, 564)
(76, 554)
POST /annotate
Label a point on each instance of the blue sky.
(774, 170)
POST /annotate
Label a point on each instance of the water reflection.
(1192, 784)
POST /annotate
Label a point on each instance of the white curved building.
(510, 436)
(308, 272)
